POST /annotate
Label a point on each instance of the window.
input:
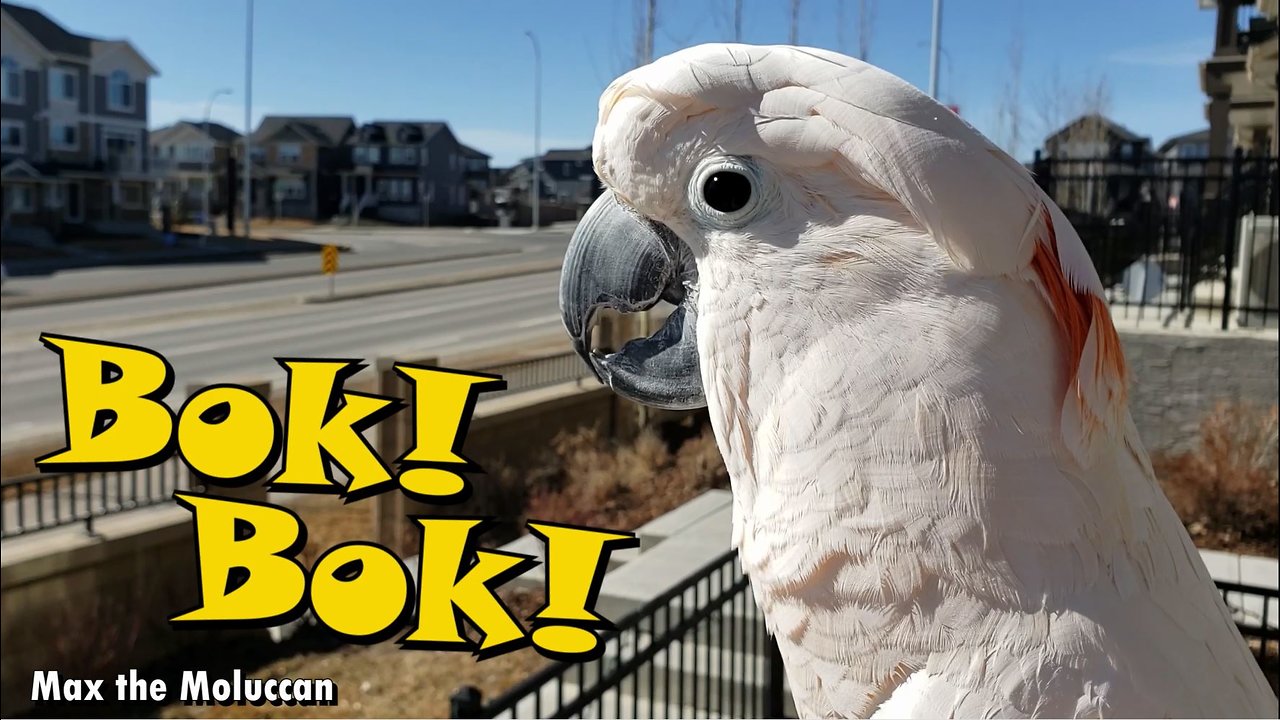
(11, 136)
(396, 189)
(288, 153)
(130, 194)
(62, 85)
(11, 79)
(368, 155)
(53, 196)
(64, 136)
(120, 91)
(21, 198)
(196, 153)
(403, 156)
(290, 189)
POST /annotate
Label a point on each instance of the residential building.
(1188, 146)
(190, 158)
(1099, 167)
(568, 187)
(479, 178)
(297, 165)
(407, 171)
(1182, 168)
(1240, 77)
(73, 111)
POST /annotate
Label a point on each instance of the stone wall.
(1177, 377)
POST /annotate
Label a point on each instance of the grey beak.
(622, 260)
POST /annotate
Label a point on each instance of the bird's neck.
(838, 408)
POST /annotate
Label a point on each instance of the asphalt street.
(233, 330)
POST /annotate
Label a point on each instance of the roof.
(321, 129)
(1198, 136)
(392, 128)
(48, 33)
(470, 152)
(1114, 127)
(217, 132)
(577, 155)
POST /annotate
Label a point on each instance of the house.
(1092, 137)
(187, 156)
(568, 185)
(1240, 77)
(408, 171)
(73, 124)
(297, 165)
(1181, 175)
(1099, 167)
(1188, 146)
(479, 178)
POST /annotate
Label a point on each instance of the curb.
(18, 302)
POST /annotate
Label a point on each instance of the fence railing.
(699, 649)
(538, 372)
(1177, 240)
(44, 501)
(676, 657)
(1257, 613)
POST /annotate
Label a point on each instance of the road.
(232, 331)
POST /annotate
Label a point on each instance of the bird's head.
(797, 172)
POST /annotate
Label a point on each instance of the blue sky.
(468, 63)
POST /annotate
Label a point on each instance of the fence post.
(389, 512)
(1233, 228)
(773, 686)
(466, 702)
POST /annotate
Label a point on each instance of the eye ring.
(726, 191)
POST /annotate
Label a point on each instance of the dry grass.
(601, 484)
(1225, 490)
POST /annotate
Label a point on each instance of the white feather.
(931, 526)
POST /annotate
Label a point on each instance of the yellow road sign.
(329, 260)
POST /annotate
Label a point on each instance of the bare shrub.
(605, 484)
(1225, 490)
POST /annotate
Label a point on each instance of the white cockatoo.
(939, 494)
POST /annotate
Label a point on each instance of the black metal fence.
(1182, 240)
(1257, 614)
(697, 650)
(44, 501)
(700, 650)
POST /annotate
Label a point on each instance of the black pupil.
(727, 191)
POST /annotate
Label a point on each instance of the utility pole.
(650, 21)
(248, 119)
(935, 48)
(795, 22)
(737, 21)
(866, 19)
(535, 190)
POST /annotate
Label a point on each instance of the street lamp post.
(208, 176)
(936, 45)
(248, 118)
(535, 191)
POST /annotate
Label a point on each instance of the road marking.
(307, 326)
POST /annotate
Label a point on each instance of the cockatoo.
(939, 495)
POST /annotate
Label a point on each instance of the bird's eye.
(727, 191)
